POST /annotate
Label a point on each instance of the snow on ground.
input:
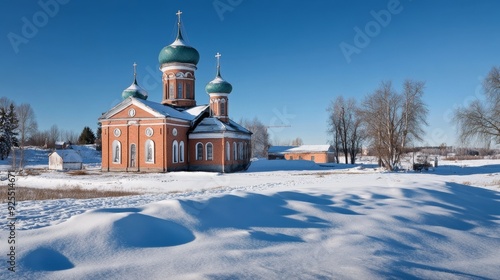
(279, 219)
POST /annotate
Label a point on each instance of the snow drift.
(336, 223)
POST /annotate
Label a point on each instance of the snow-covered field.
(279, 219)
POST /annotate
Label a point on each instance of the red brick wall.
(320, 157)
(169, 142)
(133, 131)
(169, 78)
(219, 162)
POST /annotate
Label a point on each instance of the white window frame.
(151, 143)
(235, 151)
(117, 153)
(198, 157)
(175, 152)
(133, 156)
(228, 151)
(209, 144)
(181, 151)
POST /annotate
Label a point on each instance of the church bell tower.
(178, 63)
(218, 90)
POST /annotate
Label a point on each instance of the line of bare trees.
(386, 120)
(260, 138)
(389, 122)
(345, 126)
(24, 132)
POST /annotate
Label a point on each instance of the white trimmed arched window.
(133, 155)
(209, 151)
(228, 151)
(199, 151)
(240, 150)
(150, 151)
(235, 151)
(175, 152)
(117, 151)
(181, 151)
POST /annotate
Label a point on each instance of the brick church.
(175, 134)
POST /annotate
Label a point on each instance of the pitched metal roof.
(68, 156)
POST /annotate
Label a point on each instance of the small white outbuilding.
(65, 160)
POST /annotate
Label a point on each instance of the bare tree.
(393, 121)
(69, 136)
(260, 137)
(414, 113)
(54, 134)
(356, 133)
(27, 127)
(481, 119)
(39, 138)
(297, 141)
(334, 125)
(5, 103)
(345, 126)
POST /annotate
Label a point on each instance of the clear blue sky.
(283, 58)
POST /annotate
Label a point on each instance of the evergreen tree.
(14, 123)
(8, 131)
(87, 136)
(4, 144)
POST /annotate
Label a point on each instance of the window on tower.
(222, 108)
(171, 91)
(179, 90)
(188, 91)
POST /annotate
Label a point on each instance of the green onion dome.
(134, 90)
(218, 85)
(179, 52)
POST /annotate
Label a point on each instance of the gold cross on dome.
(179, 13)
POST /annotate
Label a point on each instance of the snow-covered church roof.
(209, 125)
(156, 109)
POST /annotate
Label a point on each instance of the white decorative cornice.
(177, 66)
